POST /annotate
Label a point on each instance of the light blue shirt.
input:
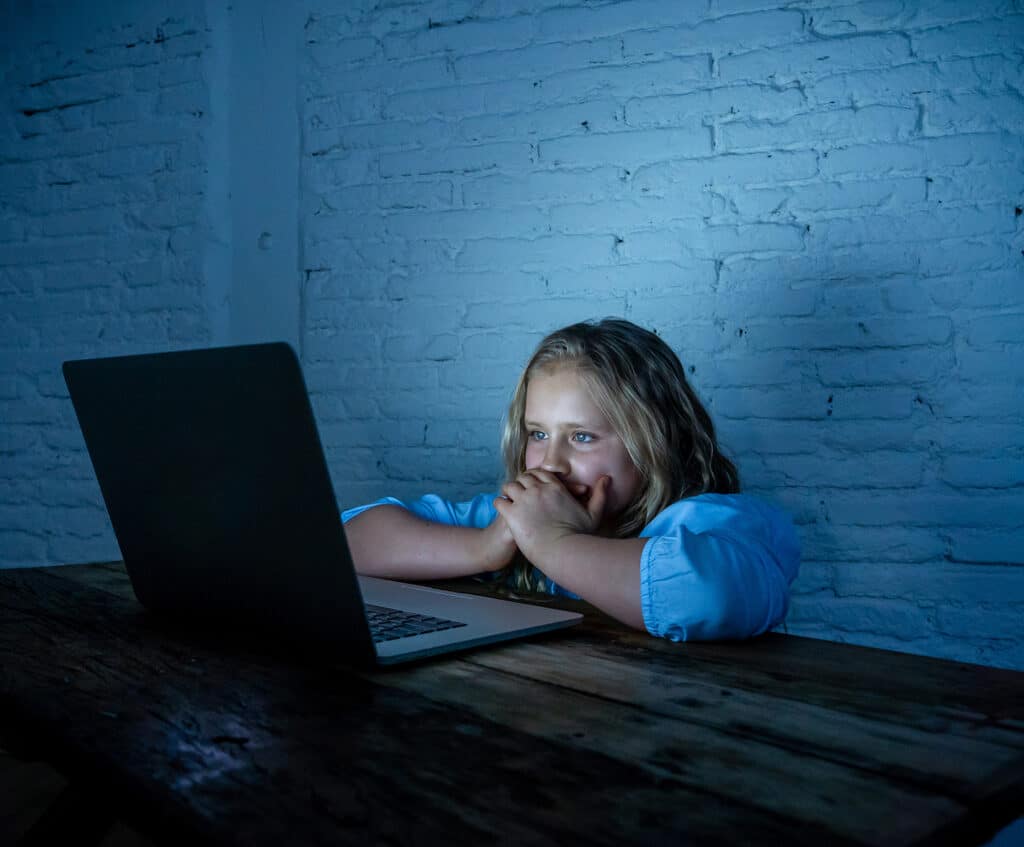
(715, 566)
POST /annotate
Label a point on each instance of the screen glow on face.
(568, 435)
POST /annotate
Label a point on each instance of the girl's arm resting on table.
(603, 571)
(682, 587)
(711, 586)
(389, 541)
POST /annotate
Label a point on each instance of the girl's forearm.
(603, 571)
(388, 541)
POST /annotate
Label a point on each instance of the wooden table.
(595, 735)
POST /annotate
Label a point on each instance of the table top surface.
(597, 733)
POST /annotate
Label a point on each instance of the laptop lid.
(214, 478)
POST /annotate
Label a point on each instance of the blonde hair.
(639, 384)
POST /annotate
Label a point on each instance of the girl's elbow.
(720, 591)
(723, 613)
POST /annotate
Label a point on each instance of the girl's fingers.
(596, 504)
(537, 475)
(529, 479)
(510, 489)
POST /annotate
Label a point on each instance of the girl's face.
(568, 436)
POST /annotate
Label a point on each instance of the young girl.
(616, 492)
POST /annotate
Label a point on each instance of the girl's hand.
(497, 546)
(540, 511)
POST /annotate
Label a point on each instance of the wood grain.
(599, 734)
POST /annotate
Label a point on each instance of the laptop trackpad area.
(474, 620)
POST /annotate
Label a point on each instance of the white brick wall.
(815, 203)
(102, 172)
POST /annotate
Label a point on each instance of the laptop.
(215, 481)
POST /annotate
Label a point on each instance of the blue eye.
(582, 437)
(537, 435)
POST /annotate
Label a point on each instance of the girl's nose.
(554, 458)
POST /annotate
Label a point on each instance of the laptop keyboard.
(388, 624)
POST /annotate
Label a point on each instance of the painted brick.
(965, 623)
(415, 195)
(454, 98)
(498, 374)
(463, 36)
(860, 335)
(621, 216)
(539, 186)
(766, 369)
(523, 314)
(915, 226)
(190, 98)
(353, 167)
(982, 436)
(422, 347)
(556, 252)
(627, 149)
(332, 55)
(328, 25)
(501, 346)
(872, 403)
(537, 61)
(996, 510)
(995, 330)
(457, 160)
(90, 222)
(741, 101)
(464, 286)
(988, 365)
(901, 85)
(772, 403)
(996, 546)
(964, 471)
(830, 197)
(723, 240)
(897, 469)
(710, 339)
(86, 179)
(652, 281)
(843, 293)
(978, 186)
(60, 92)
(819, 58)
(996, 399)
(971, 112)
(594, 115)
(22, 549)
(726, 170)
(944, 268)
(387, 77)
(885, 617)
(647, 79)
(740, 32)
(920, 156)
(572, 24)
(886, 367)
(881, 560)
(874, 123)
(969, 38)
(462, 224)
(930, 582)
(328, 226)
(846, 18)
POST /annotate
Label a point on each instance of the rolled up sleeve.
(477, 513)
(726, 582)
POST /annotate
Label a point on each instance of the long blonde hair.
(639, 384)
